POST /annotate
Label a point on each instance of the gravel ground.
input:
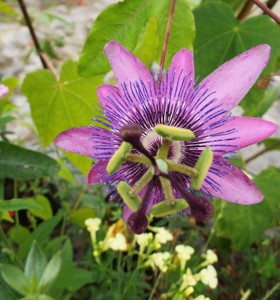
(17, 59)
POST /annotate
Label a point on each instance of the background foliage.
(44, 201)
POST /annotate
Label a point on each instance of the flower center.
(152, 141)
(160, 151)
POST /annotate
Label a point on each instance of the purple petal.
(238, 132)
(232, 80)
(98, 172)
(134, 79)
(179, 78)
(229, 183)
(3, 90)
(76, 140)
(94, 142)
(114, 105)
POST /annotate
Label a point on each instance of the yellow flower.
(201, 297)
(209, 276)
(189, 280)
(116, 243)
(143, 240)
(210, 258)
(162, 236)
(93, 225)
(184, 253)
(160, 260)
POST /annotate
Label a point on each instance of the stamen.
(138, 158)
(118, 158)
(142, 182)
(164, 149)
(167, 190)
(133, 202)
(203, 165)
(163, 208)
(174, 133)
(184, 169)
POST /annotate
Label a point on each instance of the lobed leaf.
(220, 36)
(59, 104)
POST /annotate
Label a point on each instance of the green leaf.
(79, 215)
(272, 144)
(7, 9)
(72, 278)
(269, 97)
(5, 120)
(245, 224)
(19, 163)
(64, 172)
(125, 22)
(40, 234)
(59, 104)
(51, 272)
(39, 297)
(18, 204)
(35, 263)
(147, 46)
(11, 83)
(220, 36)
(18, 234)
(15, 278)
(45, 210)
(5, 291)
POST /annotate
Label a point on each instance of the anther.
(167, 190)
(142, 182)
(202, 166)
(163, 208)
(184, 169)
(118, 158)
(124, 190)
(174, 133)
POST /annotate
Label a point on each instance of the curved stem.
(44, 60)
(267, 10)
(271, 147)
(271, 292)
(32, 32)
(166, 38)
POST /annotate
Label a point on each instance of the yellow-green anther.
(167, 190)
(184, 169)
(133, 202)
(118, 158)
(163, 208)
(162, 165)
(202, 166)
(164, 149)
(138, 158)
(174, 133)
(142, 182)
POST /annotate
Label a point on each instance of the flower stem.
(155, 286)
(267, 10)
(45, 62)
(248, 6)
(166, 37)
(245, 10)
(271, 147)
(271, 292)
